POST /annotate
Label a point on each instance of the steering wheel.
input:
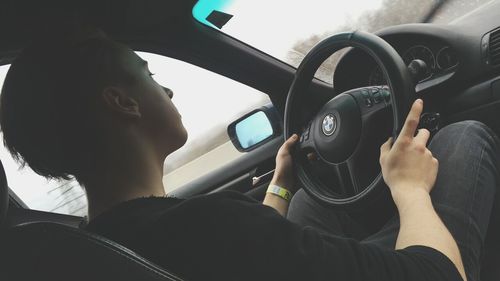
(338, 131)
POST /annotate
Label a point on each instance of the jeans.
(463, 195)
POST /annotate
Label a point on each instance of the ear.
(121, 103)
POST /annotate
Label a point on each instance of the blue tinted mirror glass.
(253, 129)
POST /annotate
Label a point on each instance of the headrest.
(4, 195)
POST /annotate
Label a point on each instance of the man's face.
(160, 120)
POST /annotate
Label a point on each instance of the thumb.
(290, 142)
(286, 147)
(386, 147)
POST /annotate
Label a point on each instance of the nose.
(169, 92)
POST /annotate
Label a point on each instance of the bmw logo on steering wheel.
(329, 125)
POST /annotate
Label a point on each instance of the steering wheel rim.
(401, 89)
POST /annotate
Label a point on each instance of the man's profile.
(87, 107)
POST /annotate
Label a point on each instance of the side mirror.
(254, 128)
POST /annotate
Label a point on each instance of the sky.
(274, 26)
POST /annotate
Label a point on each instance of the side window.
(208, 102)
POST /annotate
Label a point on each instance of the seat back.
(51, 251)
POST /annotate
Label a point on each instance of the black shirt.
(228, 236)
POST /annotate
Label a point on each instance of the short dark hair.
(48, 96)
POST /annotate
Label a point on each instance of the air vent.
(494, 47)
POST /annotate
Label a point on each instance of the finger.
(422, 137)
(386, 147)
(412, 119)
(290, 141)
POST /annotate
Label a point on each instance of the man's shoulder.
(149, 209)
(220, 204)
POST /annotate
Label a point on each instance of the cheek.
(157, 104)
(168, 110)
(170, 129)
(161, 117)
(168, 118)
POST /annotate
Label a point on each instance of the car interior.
(459, 80)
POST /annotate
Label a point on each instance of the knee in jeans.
(468, 124)
(472, 128)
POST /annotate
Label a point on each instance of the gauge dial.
(446, 58)
(421, 52)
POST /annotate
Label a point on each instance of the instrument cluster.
(437, 61)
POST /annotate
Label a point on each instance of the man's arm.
(283, 176)
(281, 250)
(420, 225)
(410, 171)
(277, 203)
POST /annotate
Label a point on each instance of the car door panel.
(236, 175)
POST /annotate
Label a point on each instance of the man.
(84, 106)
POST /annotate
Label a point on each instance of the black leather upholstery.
(51, 251)
(4, 195)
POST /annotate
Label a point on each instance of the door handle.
(257, 179)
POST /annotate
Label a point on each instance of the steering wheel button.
(386, 95)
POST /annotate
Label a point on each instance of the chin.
(181, 138)
(174, 141)
(184, 136)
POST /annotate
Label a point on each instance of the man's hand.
(410, 171)
(408, 166)
(283, 174)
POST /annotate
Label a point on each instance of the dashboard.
(441, 60)
(458, 56)
(438, 61)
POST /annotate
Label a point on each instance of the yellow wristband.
(280, 191)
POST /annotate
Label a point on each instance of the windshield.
(288, 29)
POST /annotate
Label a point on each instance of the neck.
(128, 174)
